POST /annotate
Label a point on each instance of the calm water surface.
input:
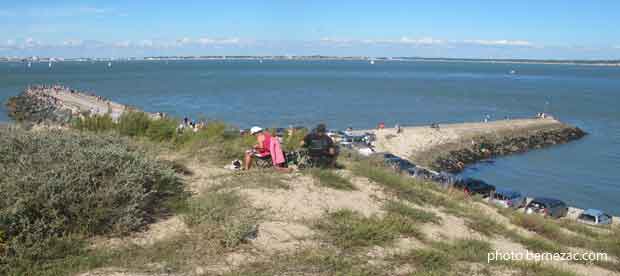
(584, 173)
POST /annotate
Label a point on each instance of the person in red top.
(261, 149)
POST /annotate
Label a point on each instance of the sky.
(549, 29)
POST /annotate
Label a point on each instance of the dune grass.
(441, 258)
(323, 261)
(415, 214)
(351, 230)
(222, 216)
(405, 188)
(330, 179)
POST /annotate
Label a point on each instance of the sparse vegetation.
(220, 221)
(442, 257)
(536, 269)
(330, 179)
(415, 214)
(222, 216)
(485, 225)
(349, 230)
(311, 262)
(253, 179)
(406, 188)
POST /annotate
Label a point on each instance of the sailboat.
(109, 64)
(512, 72)
(29, 64)
(372, 61)
(49, 65)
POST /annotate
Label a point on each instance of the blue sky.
(474, 29)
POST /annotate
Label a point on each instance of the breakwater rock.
(26, 108)
(450, 147)
(56, 104)
(484, 147)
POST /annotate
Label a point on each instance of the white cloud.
(122, 44)
(146, 43)
(502, 42)
(73, 43)
(31, 43)
(92, 10)
(402, 40)
(335, 40)
(421, 41)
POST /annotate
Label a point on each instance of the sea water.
(584, 173)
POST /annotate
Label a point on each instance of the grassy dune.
(136, 199)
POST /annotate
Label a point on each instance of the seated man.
(320, 147)
(266, 147)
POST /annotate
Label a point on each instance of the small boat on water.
(372, 61)
(109, 64)
(29, 64)
(512, 72)
(49, 65)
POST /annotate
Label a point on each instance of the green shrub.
(161, 130)
(96, 123)
(293, 140)
(133, 123)
(60, 186)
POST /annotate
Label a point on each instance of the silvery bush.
(56, 186)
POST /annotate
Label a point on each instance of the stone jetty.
(57, 104)
(450, 147)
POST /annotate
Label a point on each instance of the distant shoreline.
(611, 63)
